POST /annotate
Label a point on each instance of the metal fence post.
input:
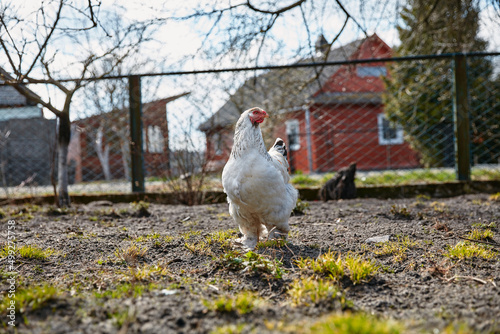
(135, 109)
(461, 118)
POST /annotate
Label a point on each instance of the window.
(388, 132)
(217, 143)
(293, 133)
(371, 71)
(155, 139)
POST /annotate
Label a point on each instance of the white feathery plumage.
(256, 182)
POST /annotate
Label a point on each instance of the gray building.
(27, 139)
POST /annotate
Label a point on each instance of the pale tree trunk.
(125, 148)
(62, 171)
(102, 154)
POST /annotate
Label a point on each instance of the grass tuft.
(353, 266)
(467, 250)
(273, 243)
(241, 303)
(130, 254)
(359, 323)
(232, 329)
(495, 197)
(300, 208)
(400, 211)
(251, 261)
(222, 239)
(359, 269)
(397, 248)
(28, 252)
(476, 234)
(328, 263)
(32, 298)
(145, 273)
(307, 291)
(484, 225)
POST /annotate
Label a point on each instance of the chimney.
(322, 45)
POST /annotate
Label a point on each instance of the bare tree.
(108, 99)
(35, 47)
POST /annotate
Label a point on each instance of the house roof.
(11, 96)
(153, 105)
(272, 90)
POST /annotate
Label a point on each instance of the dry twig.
(494, 244)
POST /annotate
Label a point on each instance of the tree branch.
(43, 47)
(277, 12)
(349, 16)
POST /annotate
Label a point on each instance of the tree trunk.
(64, 135)
(125, 148)
(102, 153)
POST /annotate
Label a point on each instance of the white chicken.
(256, 182)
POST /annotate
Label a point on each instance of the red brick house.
(100, 148)
(337, 116)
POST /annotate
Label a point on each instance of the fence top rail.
(276, 67)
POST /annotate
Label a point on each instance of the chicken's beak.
(266, 115)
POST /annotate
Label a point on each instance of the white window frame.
(391, 141)
(155, 139)
(217, 143)
(293, 129)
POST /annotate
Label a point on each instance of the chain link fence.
(397, 120)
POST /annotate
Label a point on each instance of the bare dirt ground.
(123, 268)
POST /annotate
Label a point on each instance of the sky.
(178, 39)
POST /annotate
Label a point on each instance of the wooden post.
(137, 157)
(461, 119)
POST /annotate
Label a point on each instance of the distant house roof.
(10, 95)
(13, 104)
(145, 108)
(272, 90)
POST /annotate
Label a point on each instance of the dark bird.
(341, 186)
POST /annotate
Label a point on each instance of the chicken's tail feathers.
(279, 146)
